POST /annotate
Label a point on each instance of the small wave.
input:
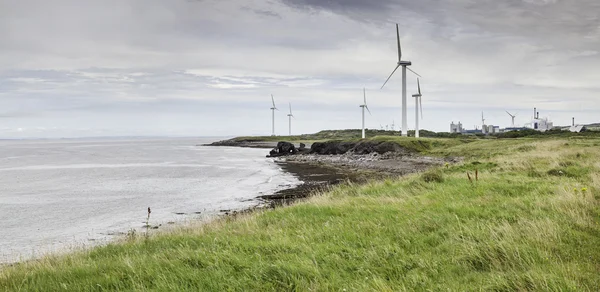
(87, 166)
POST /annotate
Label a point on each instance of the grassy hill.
(517, 215)
(355, 134)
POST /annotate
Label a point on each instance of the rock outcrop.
(282, 149)
(339, 148)
(331, 147)
(368, 147)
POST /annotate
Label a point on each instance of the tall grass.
(517, 227)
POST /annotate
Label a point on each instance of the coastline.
(317, 173)
(444, 227)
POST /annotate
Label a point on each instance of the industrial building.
(537, 123)
(456, 128)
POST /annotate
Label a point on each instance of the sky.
(72, 68)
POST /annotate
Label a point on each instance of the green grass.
(517, 228)
(350, 134)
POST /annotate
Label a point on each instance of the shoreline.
(317, 173)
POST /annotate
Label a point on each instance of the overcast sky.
(204, 68)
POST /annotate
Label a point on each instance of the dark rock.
(273, 153)
(286, 148)
(282, 149)
(331, 147)
(303, 149)
(368, 147)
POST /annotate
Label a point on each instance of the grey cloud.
(558, 20)
(129, 61)
(267, 13)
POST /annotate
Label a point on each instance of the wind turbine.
(513, 117)
(418, 104)
(290, 116)
(364, 106)
(404, 65)
(273, 111)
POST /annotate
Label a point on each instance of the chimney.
(573, 121)
(534, 111)
(538, 115)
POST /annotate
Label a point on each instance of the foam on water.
(58, 194)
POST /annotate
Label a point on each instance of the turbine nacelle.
(404, 63)
(290, 114)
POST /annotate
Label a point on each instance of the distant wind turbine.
(418, 104)
(404, 65)
(290, 116)
(273, 117)
(513, 117)
(364, 106)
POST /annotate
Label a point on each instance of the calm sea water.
(60, 194)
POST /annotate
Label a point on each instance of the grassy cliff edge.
(519, 214)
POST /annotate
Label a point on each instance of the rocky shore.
(325, 164)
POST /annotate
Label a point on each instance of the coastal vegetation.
(514, 215)
(355, 135)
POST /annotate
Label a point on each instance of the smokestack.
(538, 115)
(573, 121)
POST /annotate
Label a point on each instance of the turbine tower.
(290, 116)
(364, 106)
(273, 116)
(404, 65)
(418, 104)
(513, 118)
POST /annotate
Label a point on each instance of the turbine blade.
(388, 79)
(368, 110)
(419, 85)
(365, 96)
(399, 47)
(411, 70)
(273, 100)
(290, 108)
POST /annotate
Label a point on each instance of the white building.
(456, 128)
(541, 125)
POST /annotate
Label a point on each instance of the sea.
(60, 195)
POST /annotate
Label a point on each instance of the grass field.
(517, 215)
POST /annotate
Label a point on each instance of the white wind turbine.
(364, 106)
(404, 65)
(273, 117)
(513, 117)
(290, 116)
(418, 104)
